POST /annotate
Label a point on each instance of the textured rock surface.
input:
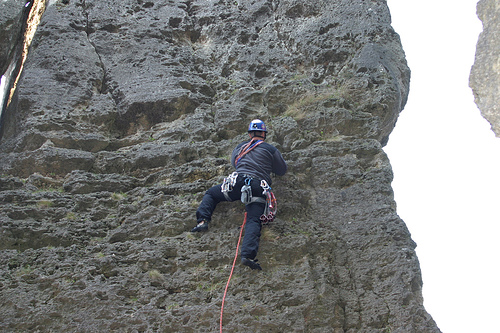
(13, 22)
(12, 18)
(127, 112)
(485, 74)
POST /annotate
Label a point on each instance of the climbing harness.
(246, 190)
(247, 197)
(247, 148)
(232, 269)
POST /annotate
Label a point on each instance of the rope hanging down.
(232, 269)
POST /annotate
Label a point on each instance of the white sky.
(446, 162)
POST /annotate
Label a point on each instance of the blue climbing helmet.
(257, 125)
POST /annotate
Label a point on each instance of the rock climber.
(254, 161)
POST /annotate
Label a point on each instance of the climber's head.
(257, 128)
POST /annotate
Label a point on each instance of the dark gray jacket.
(260, 162)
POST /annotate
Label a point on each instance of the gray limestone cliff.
(485, 73)
(127, 111)
(12, 21)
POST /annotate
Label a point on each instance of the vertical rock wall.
(127, 112)
(485, 74)
(12, 18)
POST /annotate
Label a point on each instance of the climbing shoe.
(253, 264)
(200, 227)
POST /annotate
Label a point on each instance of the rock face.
(13, 22)
(485, 74)
(126, 113)
(12, 18)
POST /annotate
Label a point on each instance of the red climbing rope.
(232, 269)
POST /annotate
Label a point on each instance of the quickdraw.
(246, 192)
(228, 184)
(271, 204)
